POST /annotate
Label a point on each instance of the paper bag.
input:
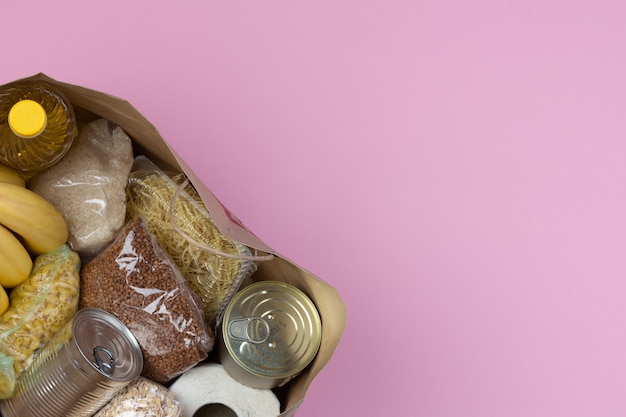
(91, 104)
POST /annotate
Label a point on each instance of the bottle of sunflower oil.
(37, 126)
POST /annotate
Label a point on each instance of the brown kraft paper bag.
(92, 104)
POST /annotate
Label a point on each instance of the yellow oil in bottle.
(37, 126)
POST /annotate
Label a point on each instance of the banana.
(38, 223)
(15, 261)
(8, 174)
(4, 301)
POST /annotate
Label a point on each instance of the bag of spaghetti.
(213, 265)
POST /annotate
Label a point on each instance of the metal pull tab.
(105, 361)
(251, 329)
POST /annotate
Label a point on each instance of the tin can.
(270, 331)
(79, 370)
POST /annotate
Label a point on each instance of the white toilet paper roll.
(208, 390)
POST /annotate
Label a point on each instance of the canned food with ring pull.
(270, 332)
(79, 370)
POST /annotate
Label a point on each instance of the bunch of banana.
(29, 226)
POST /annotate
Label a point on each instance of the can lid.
(107, 344)
(27, 118)
(272, 329)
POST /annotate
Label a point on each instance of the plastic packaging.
(37, 125)
(88, 186)
(134, 280)
(39, 308)
(213, 277)
(142, 398)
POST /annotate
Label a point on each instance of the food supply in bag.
(178, 218)
(91, 104)
(142, 398)
(88, 186)
(134, 279)
(37, 125)
(39, 307)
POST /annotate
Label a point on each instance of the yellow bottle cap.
(27, 118)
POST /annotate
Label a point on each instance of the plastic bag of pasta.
(142, 398)
(39, 307)
(213, 265)
(134, 280)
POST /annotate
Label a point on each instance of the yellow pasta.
(212, 277)
(39, 307)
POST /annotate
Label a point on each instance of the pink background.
(456, 169)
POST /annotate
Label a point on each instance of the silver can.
(269, 333)
(79, 370)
